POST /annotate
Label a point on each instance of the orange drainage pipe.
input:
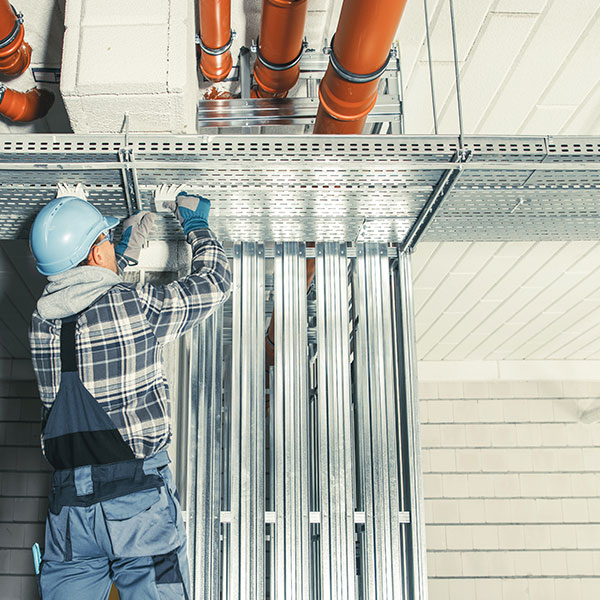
(280, 47)
(15, 53)
(359, 55)
(25, 106)
(215, 39)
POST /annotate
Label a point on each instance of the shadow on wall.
(252, 12)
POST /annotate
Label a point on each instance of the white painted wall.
(512, 490)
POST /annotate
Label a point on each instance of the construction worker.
(96, 343)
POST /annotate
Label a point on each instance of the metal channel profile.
(282, 111)
(408, 419)
(291, 425)
(245, 535)
(439, 194)
(335, 440)
(376, 398)
(204, 491)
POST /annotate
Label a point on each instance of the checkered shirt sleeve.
(119, 343)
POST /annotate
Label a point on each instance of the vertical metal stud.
(334, 423)
(206, 377)
(247, 528)
(408, 417)
(377, 421)
(291, 420)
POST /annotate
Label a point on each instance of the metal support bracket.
(440, 192)
(245, 73)
(131, 187)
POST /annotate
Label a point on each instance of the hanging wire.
(435, 122)
(456, 72)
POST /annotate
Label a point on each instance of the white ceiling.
(508, 301)
(526, 67)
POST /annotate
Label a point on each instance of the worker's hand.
(136, 230)
(191, 211)
(66, 189)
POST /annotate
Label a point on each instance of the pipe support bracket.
(355, 77)
(280, 66)
(216, 51)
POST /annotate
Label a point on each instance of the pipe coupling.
(280, 66)
(2, 92)
(216, 51)
(356, 77)
(10, 38)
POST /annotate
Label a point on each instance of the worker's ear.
(95, 257)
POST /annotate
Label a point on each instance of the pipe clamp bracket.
(2, 92)
(216, 51)
(356, 77)
(280, 66)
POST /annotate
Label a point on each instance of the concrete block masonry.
(137, 59)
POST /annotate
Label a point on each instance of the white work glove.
(136, 230)
(67, 189)
(166, 193)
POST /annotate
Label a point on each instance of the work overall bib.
(110, 516)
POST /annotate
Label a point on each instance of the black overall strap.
(68, 354)
(78, 431)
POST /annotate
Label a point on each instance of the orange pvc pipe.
(280, 42)
(15, 53)
(362, 42)
(25, 106)
(215, 32)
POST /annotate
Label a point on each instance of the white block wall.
(24, 479)
(512, 490)
(135, 57)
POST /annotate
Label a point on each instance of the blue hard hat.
(64, 231)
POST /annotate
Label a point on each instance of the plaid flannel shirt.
(119, 341)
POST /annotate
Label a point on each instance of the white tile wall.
(25, 480)
(512, 490)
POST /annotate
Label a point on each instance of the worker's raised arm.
(174, 309)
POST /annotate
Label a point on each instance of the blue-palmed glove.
(136, 230)
(191, 211)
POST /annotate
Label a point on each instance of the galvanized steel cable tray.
(344, 188)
